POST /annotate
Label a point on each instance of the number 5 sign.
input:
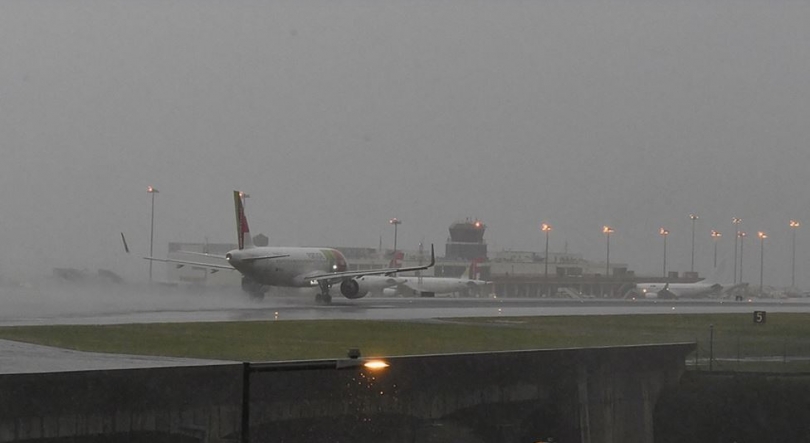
(759, 317)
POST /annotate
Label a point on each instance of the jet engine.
(359, 287)
(352, 289)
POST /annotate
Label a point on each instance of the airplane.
(430, 286)
(295, 266)
(708, 286)
(685, 290)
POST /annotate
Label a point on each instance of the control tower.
(466, 241)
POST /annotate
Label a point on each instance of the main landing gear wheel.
(255, 290)
(323, 297)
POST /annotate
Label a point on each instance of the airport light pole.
(715, 237)
(546, 228)
(664, 233)
(736, 222)
(396, 222)
(152, 191)
(694, 218)
(762, 236)
(742, 235)
(607, 230)
(793, 225)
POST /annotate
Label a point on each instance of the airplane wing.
(181, 263)
(733, 288)
(335, 276)
(202, 254)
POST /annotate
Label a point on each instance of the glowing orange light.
(375, 365)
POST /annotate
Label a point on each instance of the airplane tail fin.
(242, 230)
(396, 259)
(471, 273)
(126, 246)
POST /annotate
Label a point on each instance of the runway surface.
(26, 358)
(67, 304)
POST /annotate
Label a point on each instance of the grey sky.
(336, 116)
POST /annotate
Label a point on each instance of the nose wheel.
(323, 297)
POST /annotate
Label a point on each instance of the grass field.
(736, 339)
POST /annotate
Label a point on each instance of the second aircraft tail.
(242, 230)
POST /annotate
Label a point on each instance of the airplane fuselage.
(441, 285)
(652, 290)
(290, 269)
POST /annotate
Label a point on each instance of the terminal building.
(513, 273)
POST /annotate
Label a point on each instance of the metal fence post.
(711, 346)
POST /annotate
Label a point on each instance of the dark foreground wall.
(728, 407)
(573, 395)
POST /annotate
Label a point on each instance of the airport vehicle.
(295, 266)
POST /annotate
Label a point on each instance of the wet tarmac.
(18, 358)
(65, 304)
(78, 305)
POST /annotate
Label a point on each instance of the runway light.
(376, 365)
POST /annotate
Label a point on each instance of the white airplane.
(430, 286)
(295, 267)
(704, 288)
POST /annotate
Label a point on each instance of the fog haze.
(336, 116)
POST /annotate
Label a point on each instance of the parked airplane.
(295, 267)
(430, 286)
(703, 288)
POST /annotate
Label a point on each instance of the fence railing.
(725, 352)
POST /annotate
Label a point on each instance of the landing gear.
(254, 290)
(323, 297)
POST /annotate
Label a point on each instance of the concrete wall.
(177, 401)
(575, 395)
